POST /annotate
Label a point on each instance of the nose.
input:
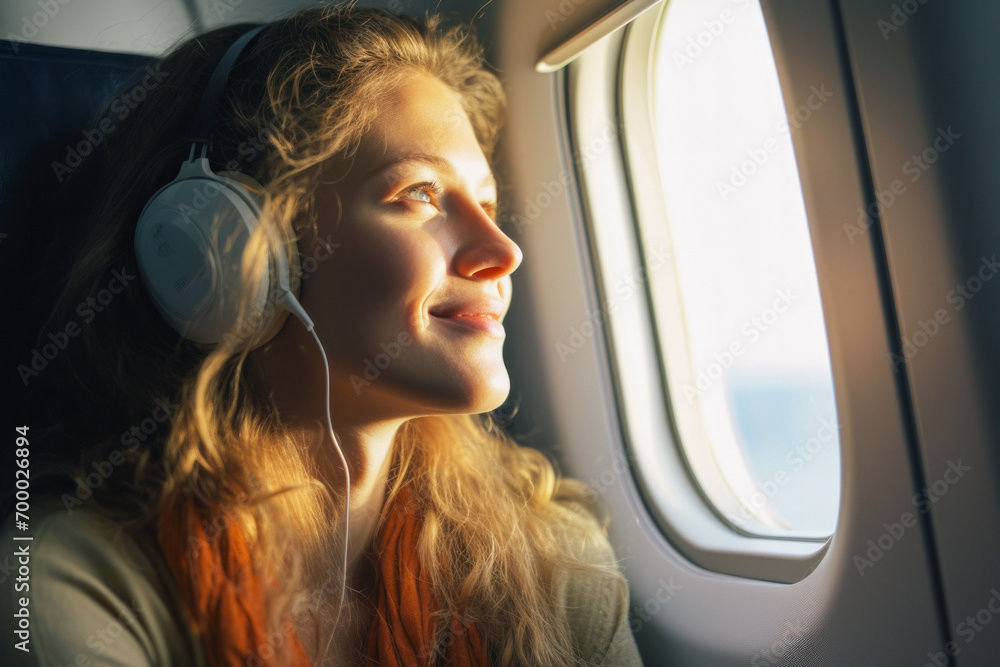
(484, 251)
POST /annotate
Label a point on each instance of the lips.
(482, 316)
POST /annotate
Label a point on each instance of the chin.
(479, 399)
(481, 395)
(495, 399)
(442, 388)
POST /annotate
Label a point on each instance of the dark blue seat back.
(51, 98)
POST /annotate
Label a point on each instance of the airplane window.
(748, 367)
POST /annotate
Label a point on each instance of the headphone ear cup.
(189, 245)
(249, 183)
(286, 268)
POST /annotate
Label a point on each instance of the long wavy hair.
(303, 93)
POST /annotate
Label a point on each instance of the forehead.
(420, 115)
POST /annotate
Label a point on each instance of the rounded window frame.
(619, 190)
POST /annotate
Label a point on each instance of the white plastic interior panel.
(137, 26)
(928, 81)
(686, 609)
(148, 26)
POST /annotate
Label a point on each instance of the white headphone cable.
(289, 301)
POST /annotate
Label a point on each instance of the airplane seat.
(51, 99)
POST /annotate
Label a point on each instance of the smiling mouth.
(488, 323)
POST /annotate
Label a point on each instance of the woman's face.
(410, 302)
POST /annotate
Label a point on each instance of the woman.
(218, 536)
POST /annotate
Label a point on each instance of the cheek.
(378, 285)
(395, 266)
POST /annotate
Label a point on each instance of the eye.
(424, 192)
(490, 207)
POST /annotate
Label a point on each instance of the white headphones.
(189, 245)
(192, 233)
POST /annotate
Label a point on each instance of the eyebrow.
(435, 161)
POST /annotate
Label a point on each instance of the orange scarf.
(403, 630)
(226, 600)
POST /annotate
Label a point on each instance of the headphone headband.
(206, 116)
(191, 235)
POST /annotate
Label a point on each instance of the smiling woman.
(328, 489)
